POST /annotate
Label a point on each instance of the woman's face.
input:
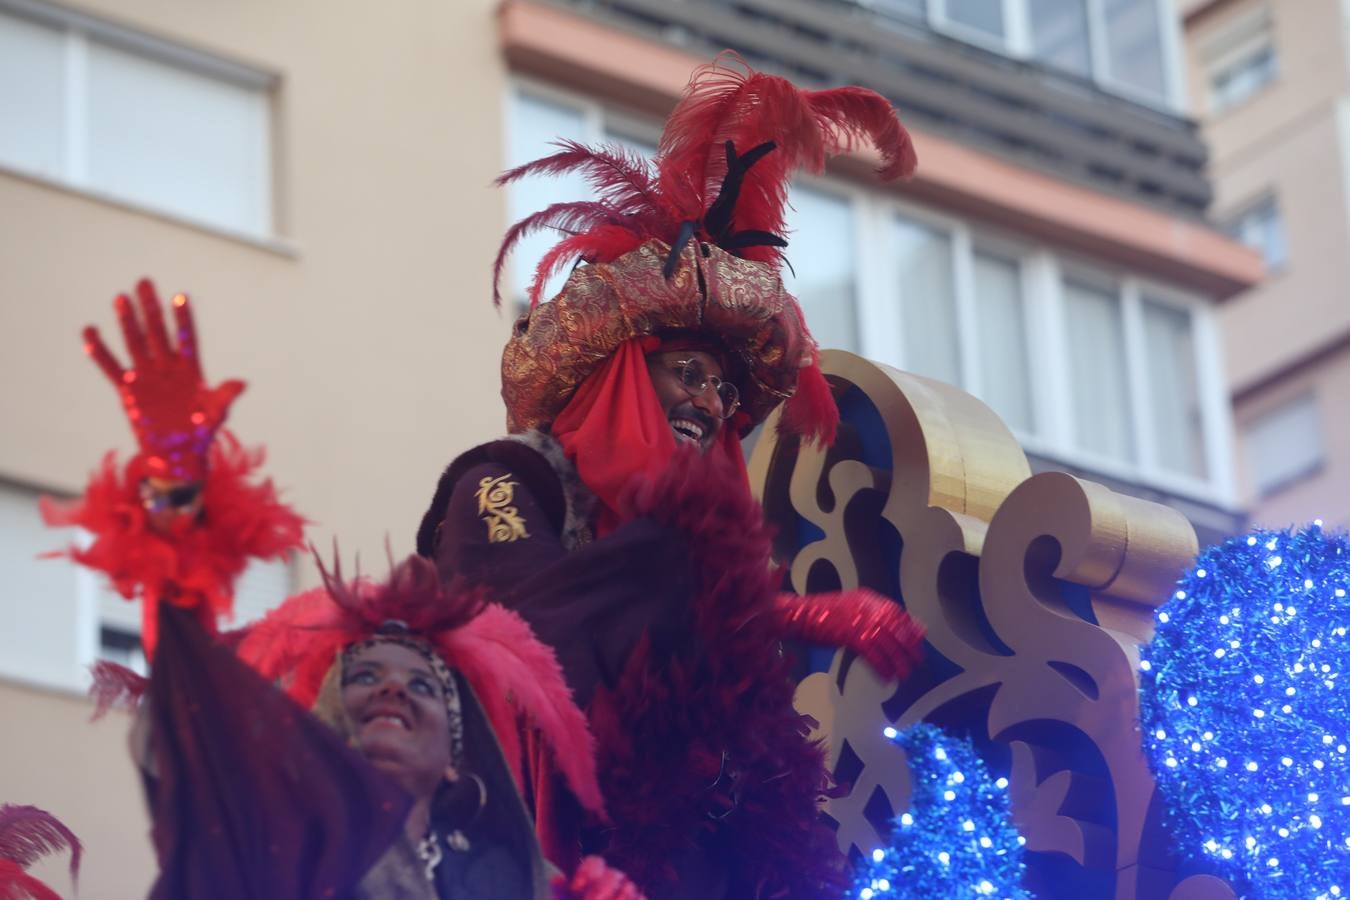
(396, 706)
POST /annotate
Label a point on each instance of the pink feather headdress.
(26, 835)
(511, 672)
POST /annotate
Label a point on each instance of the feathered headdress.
(713, 203)
(510, 671)
(26, 835)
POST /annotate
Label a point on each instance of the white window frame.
(1272, 488)
(1043, 270)
(1228, 223)
(77, 29)
(1234, 42)
(1016, 42)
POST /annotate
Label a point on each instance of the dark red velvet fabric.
(251, 795)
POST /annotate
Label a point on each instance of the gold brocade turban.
(691, 243)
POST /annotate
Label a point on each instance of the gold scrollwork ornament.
(496, 496)
(1038, 590)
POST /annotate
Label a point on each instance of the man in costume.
(617, 517)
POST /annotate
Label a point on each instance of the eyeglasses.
(696, 381)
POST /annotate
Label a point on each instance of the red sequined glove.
(173, 413)
(873, 626)
(595, 880)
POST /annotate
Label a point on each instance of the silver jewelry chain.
(429, 851)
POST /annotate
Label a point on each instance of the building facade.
(318, 176)
(1271, 79)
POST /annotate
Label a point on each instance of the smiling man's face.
(695, 416)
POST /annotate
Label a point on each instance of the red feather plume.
(244, 519)
(725, 101)
(26, 835)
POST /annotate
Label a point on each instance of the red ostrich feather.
(725, 101)
(26, 835)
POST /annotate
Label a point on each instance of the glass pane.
(1001, 321)
(1099, 382)
(533, 127)
(638, 145)
(1059, 34)
(903, 9)
(1242, 79)
(982, 15)
(1174, 387)
(821, 249)
(1285, 444)
(179, 140)
(40, 604)
(32, 96)
(1134, 45)
(1261, 227)
(922, 267)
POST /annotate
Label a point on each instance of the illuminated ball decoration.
(1245, 716)
(957, 838)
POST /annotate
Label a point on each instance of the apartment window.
(1235, 83)
(1000, 321)
(1239, 60)
(1124, 45)
(984, 17)
(1099, 385)
(1134, 45)
(1099, 369)
(41, 604)
(1060, 34)
(1174, 388)
(822, 242)
(923, 282)
(135, 119)
(535, 123)
(261, 587)
(1285, 445)
(902, 9)
(59, 617)
(1261, 227)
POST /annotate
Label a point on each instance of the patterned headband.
(396, 633)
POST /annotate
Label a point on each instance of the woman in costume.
(617, 516)
(397, 786)
(397, 670)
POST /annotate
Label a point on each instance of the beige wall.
(1291, 138)
(1325, 494)
(370, 351)
(54, 758)
(1285, 139)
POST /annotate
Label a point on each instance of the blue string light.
(1245, 717)
(957, 839)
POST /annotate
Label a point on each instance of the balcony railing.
(1024, 111)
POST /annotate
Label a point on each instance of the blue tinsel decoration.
(1245, 719)
(957, 840)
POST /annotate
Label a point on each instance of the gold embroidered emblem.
(503, 520)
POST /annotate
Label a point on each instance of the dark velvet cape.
(661, 630)
(250, 795)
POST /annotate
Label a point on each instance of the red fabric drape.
(615, 431)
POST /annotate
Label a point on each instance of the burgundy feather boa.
(663, 731)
